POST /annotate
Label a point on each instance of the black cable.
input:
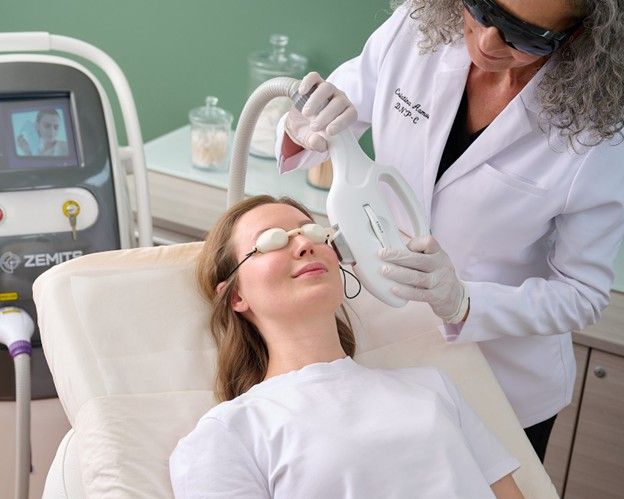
(344, 272)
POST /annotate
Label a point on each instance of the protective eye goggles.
(277, 238)
(518, 34)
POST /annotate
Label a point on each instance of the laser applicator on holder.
(16, 329)
(356, 206)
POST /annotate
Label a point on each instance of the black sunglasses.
(518, 34)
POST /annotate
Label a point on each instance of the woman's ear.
(237, 302)
(220, 287)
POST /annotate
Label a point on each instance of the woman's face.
(302, 277)
(48, 127)
(488, 50)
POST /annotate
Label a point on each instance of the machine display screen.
(37, 133)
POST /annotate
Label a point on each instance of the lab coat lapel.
(509, 126)
(448, 87)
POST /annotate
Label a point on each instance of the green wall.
(176, 53)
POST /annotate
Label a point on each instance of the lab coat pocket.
(514, 181)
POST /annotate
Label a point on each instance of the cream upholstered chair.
(125, 334)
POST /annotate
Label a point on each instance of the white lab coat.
(532, 228)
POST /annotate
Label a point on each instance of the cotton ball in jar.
(209, 148)
(211, 128)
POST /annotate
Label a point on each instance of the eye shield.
(516, 33)
(277, 238)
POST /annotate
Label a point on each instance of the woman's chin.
(319, 292)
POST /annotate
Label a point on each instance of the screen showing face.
(40, 133)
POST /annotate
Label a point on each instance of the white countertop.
(170, 154)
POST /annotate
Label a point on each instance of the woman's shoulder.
(220, 425)
(224, 412)
(60, 148)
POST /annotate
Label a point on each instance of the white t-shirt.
(341, 430)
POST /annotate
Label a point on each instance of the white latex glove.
(327, 112)
(424, 272)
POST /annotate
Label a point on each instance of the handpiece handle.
(357, 204)
(352, 166)
(404, 192)
(349, 161)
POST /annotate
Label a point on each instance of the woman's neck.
(296, 344)
(513, 78)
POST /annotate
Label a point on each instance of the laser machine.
(62, 195)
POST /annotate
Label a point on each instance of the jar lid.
(276, 59)
(210, 114)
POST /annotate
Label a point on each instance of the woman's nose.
(302, 246)
(491, 40)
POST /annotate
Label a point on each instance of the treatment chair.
(126, 337)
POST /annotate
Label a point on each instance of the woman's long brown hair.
(242, 358)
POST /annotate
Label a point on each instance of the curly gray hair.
(582, 96)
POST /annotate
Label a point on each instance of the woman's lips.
(311, 269)
(489, 57)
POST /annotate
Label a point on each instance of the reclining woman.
(298, 417)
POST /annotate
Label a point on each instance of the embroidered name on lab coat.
(412, 112)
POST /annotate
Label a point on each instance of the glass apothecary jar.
(211, 128)
(263, 65)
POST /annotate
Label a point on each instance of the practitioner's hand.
(327, 112)
(424, 272)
